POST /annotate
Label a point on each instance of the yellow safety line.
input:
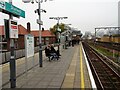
(70, 74)
(81, 68)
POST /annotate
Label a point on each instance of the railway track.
(105, 77)
(110, 45)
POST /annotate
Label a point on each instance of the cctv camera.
(36, 11)
(44, 11)
(32, 1)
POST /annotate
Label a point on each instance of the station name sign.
(2, 4)
(9, 8)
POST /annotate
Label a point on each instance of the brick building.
(47, 37)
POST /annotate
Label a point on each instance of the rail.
(105, 76)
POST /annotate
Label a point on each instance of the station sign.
(2, 4)
(9, 8)
(39, 22)
(13, 29)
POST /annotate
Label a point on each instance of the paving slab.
(62, 73)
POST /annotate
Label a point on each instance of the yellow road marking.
(81, 69)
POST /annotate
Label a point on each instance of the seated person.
(54, 53)
(48, 51)
(51, 53)
(58, 53)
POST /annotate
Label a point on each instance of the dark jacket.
(47, 51)
(53, 50)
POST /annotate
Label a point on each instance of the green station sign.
(9, 8)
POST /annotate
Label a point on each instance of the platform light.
(39, 10)
(26, 1)
(58, 19)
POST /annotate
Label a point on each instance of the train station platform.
(70, 71)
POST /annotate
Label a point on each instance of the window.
(47, 38)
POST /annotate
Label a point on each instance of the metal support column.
(12, 60)
(12, 65)
(40, 42)
(58, 40)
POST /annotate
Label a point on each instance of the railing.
(19, 53)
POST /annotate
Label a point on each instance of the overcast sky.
(82, 14)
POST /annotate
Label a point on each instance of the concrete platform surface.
(57, 74)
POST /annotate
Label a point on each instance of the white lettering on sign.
(2, 4)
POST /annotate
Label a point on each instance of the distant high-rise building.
(119, 14)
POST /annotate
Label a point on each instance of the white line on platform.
(89, 71)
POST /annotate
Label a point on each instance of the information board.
(29, 45)
(13, 26)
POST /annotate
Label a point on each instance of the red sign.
(13, 27)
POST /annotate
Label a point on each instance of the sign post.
(12, 10)
(0, 61)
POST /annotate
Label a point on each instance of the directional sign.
(9, 8)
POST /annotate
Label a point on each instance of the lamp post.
(39, 10)
(67, 35)
(96, 29)
(58, 19)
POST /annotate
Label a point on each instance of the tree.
(54, 28)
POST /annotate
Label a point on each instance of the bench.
(53, 56)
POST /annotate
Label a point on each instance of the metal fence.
(18, 54)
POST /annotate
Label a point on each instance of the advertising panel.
(13, 26)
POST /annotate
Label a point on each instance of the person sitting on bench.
(54, 53)
(51, 53)
(48, 51)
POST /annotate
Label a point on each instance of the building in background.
(47, 38)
